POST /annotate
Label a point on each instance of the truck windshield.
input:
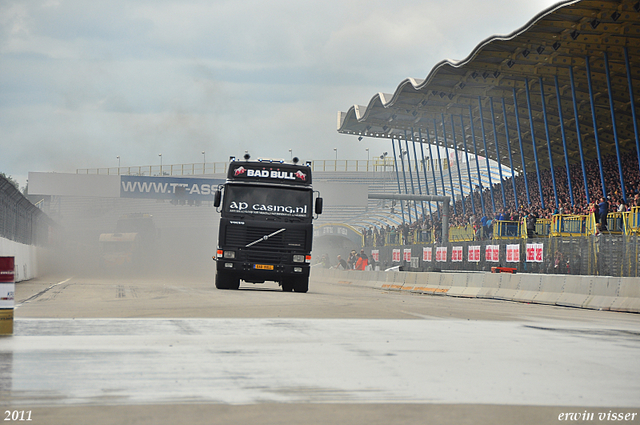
(267, 201)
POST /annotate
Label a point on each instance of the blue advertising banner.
(173, 188)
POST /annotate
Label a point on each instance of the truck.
(132, 245)
(265, 234)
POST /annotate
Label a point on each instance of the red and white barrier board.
(407, 255)
(492, 253)
(7, 291)
(535, 252)
(456, 253)
(427, 254)
(513, 253)
(375, 254)
(395, 255)
(473, 253)
(441, 254)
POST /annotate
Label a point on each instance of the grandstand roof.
(565, 39)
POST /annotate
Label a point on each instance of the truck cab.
(266, 230)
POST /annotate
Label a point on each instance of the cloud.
(84, 82)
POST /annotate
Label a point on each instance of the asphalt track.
(176, 350)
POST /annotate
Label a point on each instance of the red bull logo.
(239, 171)
(302, 176)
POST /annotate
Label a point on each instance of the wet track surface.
(334, 346)
(145, 361)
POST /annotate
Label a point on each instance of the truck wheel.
(225, 281)
(301, 285)
(287, 285)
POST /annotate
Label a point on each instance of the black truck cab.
(266, 230)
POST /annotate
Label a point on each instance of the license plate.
(263, 266)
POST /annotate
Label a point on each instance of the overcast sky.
(82, 82)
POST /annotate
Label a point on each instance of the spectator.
(342, 265)
(362, 261)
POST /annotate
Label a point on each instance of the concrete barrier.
(529, 287)
(602, 292)
(490, 285)
(628, 298)
(509, 286)
(592, 292)
(575, 291)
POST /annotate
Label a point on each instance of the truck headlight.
(229, 254)
(298, 258)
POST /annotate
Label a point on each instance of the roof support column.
(506, 132)
(546, 130)
(415, 156)
(633, 104)
(564, 140)
(466, 152)
(435, 130)
(533, 140)
(446, 151)
(424, 170)
(455, 150)
(595, 126)
(486, 153)
(524, 167)
(395, 160)
(475, 153)
(578, 134)
(433, 170)
(495, 139)
(615, 127)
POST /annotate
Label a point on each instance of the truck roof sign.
(269, 173)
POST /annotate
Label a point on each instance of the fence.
(20, 220)
(605, 255)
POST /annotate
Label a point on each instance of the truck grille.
(288, 240)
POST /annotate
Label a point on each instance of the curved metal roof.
(563, 41)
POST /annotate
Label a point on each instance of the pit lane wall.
(590, 292)
(25, 258)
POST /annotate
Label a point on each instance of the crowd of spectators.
(420, 229)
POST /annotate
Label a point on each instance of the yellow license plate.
(263, 267)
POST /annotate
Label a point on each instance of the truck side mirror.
(318, 207)
(216, 198)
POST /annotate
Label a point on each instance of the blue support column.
(533, 140)
(524, 167)
(433, 171)
(486, 153)
(435, 130)
(506, 132)
(546, 129)
(406, 143)
(495, 139)
(578, 134)
(615, 127)
(475, 153)
(404, 176)
(446, 151)
(595, 126)
(466, 153)
(395, 159)
(424, 170)
(455, 151)
(564, 140)
(415, 157)
(633, 104)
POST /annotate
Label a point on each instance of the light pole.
(291, 153)
(204, 162)
(118, 158)
(336, 151)
(160, 155)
